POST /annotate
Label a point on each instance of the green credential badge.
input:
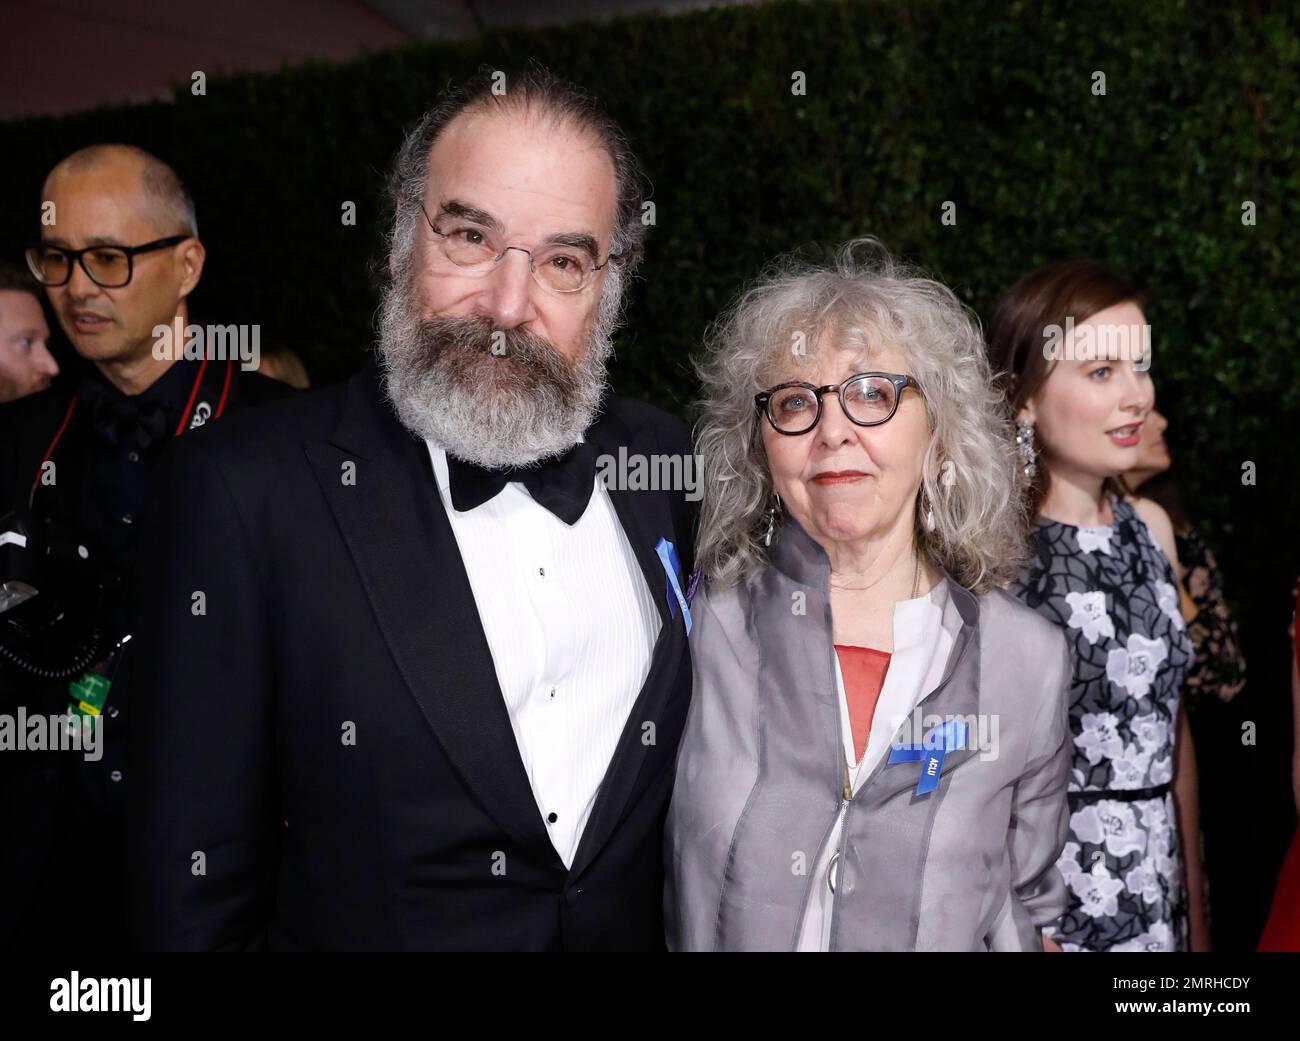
(87, 694)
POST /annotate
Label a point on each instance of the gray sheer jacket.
(760, 780)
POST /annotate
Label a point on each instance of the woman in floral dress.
(1101, 569)
(1112, 590)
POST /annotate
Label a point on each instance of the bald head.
(161, 196)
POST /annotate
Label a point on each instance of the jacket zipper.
(846, 793)
(846, 797)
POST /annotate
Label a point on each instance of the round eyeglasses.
(557, 267)
(868, 399)
(109, 267)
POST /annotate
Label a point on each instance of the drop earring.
(1025, 449)
(772, 510)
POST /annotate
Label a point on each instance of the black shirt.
(86, 459)
(81, 455)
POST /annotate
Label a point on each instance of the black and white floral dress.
(1113, 591)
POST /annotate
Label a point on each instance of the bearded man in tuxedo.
(415, 676)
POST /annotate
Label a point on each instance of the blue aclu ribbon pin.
(930, 752)
(668, 557)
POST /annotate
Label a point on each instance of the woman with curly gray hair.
(876, 754)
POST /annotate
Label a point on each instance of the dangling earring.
(772, 511)
(927, 510)
(1025, 448)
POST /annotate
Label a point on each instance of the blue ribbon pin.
(930, 752)
(668, 557)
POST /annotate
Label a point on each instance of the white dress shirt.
(922, 644)
(571, 624)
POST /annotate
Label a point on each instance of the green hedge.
(907, 105)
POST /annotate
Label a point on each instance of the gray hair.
(538, 91)
(970, 480)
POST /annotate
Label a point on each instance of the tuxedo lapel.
(645, 517)
(397, 531)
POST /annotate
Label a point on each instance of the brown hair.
(1076, 289)
(16, 278)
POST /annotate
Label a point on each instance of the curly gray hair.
(970, 479)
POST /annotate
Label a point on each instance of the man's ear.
(192, 259)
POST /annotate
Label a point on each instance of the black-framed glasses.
(110, 267)
(558, 267)
(868, 399)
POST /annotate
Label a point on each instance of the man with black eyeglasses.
(118, 256)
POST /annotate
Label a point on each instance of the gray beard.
(515, 407)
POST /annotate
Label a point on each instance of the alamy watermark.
(1093, 342)
(652, 473)
(72, 993)
(928, 731)
(54, 733)
(241, 343)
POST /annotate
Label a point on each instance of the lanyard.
(180, 427)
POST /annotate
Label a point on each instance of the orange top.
(863, 669)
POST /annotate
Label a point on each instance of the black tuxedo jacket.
(61, 816)
(322, 755)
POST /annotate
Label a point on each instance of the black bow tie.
(121, 418)
(562, 484)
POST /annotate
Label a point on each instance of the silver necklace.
(916, 580)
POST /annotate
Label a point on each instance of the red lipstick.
(839, 476)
